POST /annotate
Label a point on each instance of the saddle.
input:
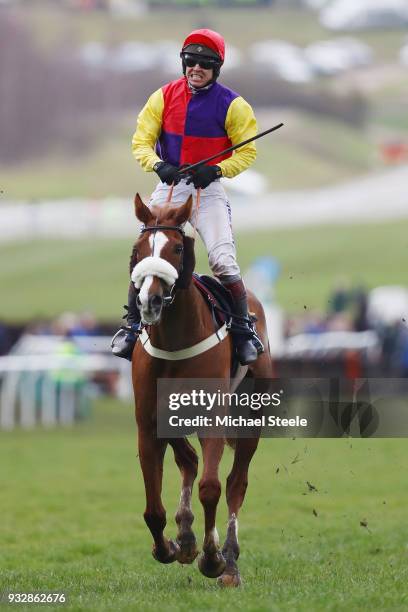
(217, 297)
(220, 302)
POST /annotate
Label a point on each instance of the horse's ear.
(183, 213)
(142, 212)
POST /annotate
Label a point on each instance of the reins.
(196, 215)
(170, 195)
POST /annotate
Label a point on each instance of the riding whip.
(237, 146)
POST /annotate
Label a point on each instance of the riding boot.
(242, 328)
(123, 342)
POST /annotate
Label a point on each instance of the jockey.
(182, 123)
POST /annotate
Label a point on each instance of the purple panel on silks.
(207, 110)
(168, 147)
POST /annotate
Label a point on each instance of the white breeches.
(213, 224)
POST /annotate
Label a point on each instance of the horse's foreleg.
(151, 455)
(187, 461)
(211, 562)
(237, 483)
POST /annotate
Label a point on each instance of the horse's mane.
(133, 258)
(184, 280)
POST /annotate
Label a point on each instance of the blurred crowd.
(348, 310)
(67, 324)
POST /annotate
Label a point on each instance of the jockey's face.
(199, 77)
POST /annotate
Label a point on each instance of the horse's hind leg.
(237, 483)
(187, 461)
(211, 562)
(151, 455)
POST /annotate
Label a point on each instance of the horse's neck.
(184, 323)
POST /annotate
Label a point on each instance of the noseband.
(168, 299)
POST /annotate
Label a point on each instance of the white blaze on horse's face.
(157, 242)
(148, 276)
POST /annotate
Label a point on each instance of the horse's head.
(162, 258)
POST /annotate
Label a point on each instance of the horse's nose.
(155, 302)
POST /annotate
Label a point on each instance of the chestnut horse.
(162, 264)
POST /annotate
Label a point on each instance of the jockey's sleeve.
(240, 124)
(149, 123)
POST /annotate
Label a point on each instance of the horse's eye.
(178, 249)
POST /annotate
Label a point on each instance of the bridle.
(169, 299)
(156, 228)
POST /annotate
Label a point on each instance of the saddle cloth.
(217, 296)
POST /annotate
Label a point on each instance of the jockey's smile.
(198, 77)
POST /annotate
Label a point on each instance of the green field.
(47, 278)
(72, 504)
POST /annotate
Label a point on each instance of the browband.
(155, 228)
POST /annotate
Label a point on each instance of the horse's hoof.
(188, 550)
(166, 556)
(213, 566)
(229, 580)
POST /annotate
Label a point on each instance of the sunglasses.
(193, 60)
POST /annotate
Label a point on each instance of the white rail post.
(8, 399)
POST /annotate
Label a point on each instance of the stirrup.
(134, 329)
(123, 342)
(246, 352)
(257, 342)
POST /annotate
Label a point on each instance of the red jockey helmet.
(208, 38)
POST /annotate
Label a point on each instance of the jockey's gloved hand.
(204, 176)
(167, 173)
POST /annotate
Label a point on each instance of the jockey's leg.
(214, 227)
(123, 342)
(242, 331)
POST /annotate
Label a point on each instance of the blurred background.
(321, 226)
(321, 219)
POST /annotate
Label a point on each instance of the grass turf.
(46, 278)
(72, 504)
